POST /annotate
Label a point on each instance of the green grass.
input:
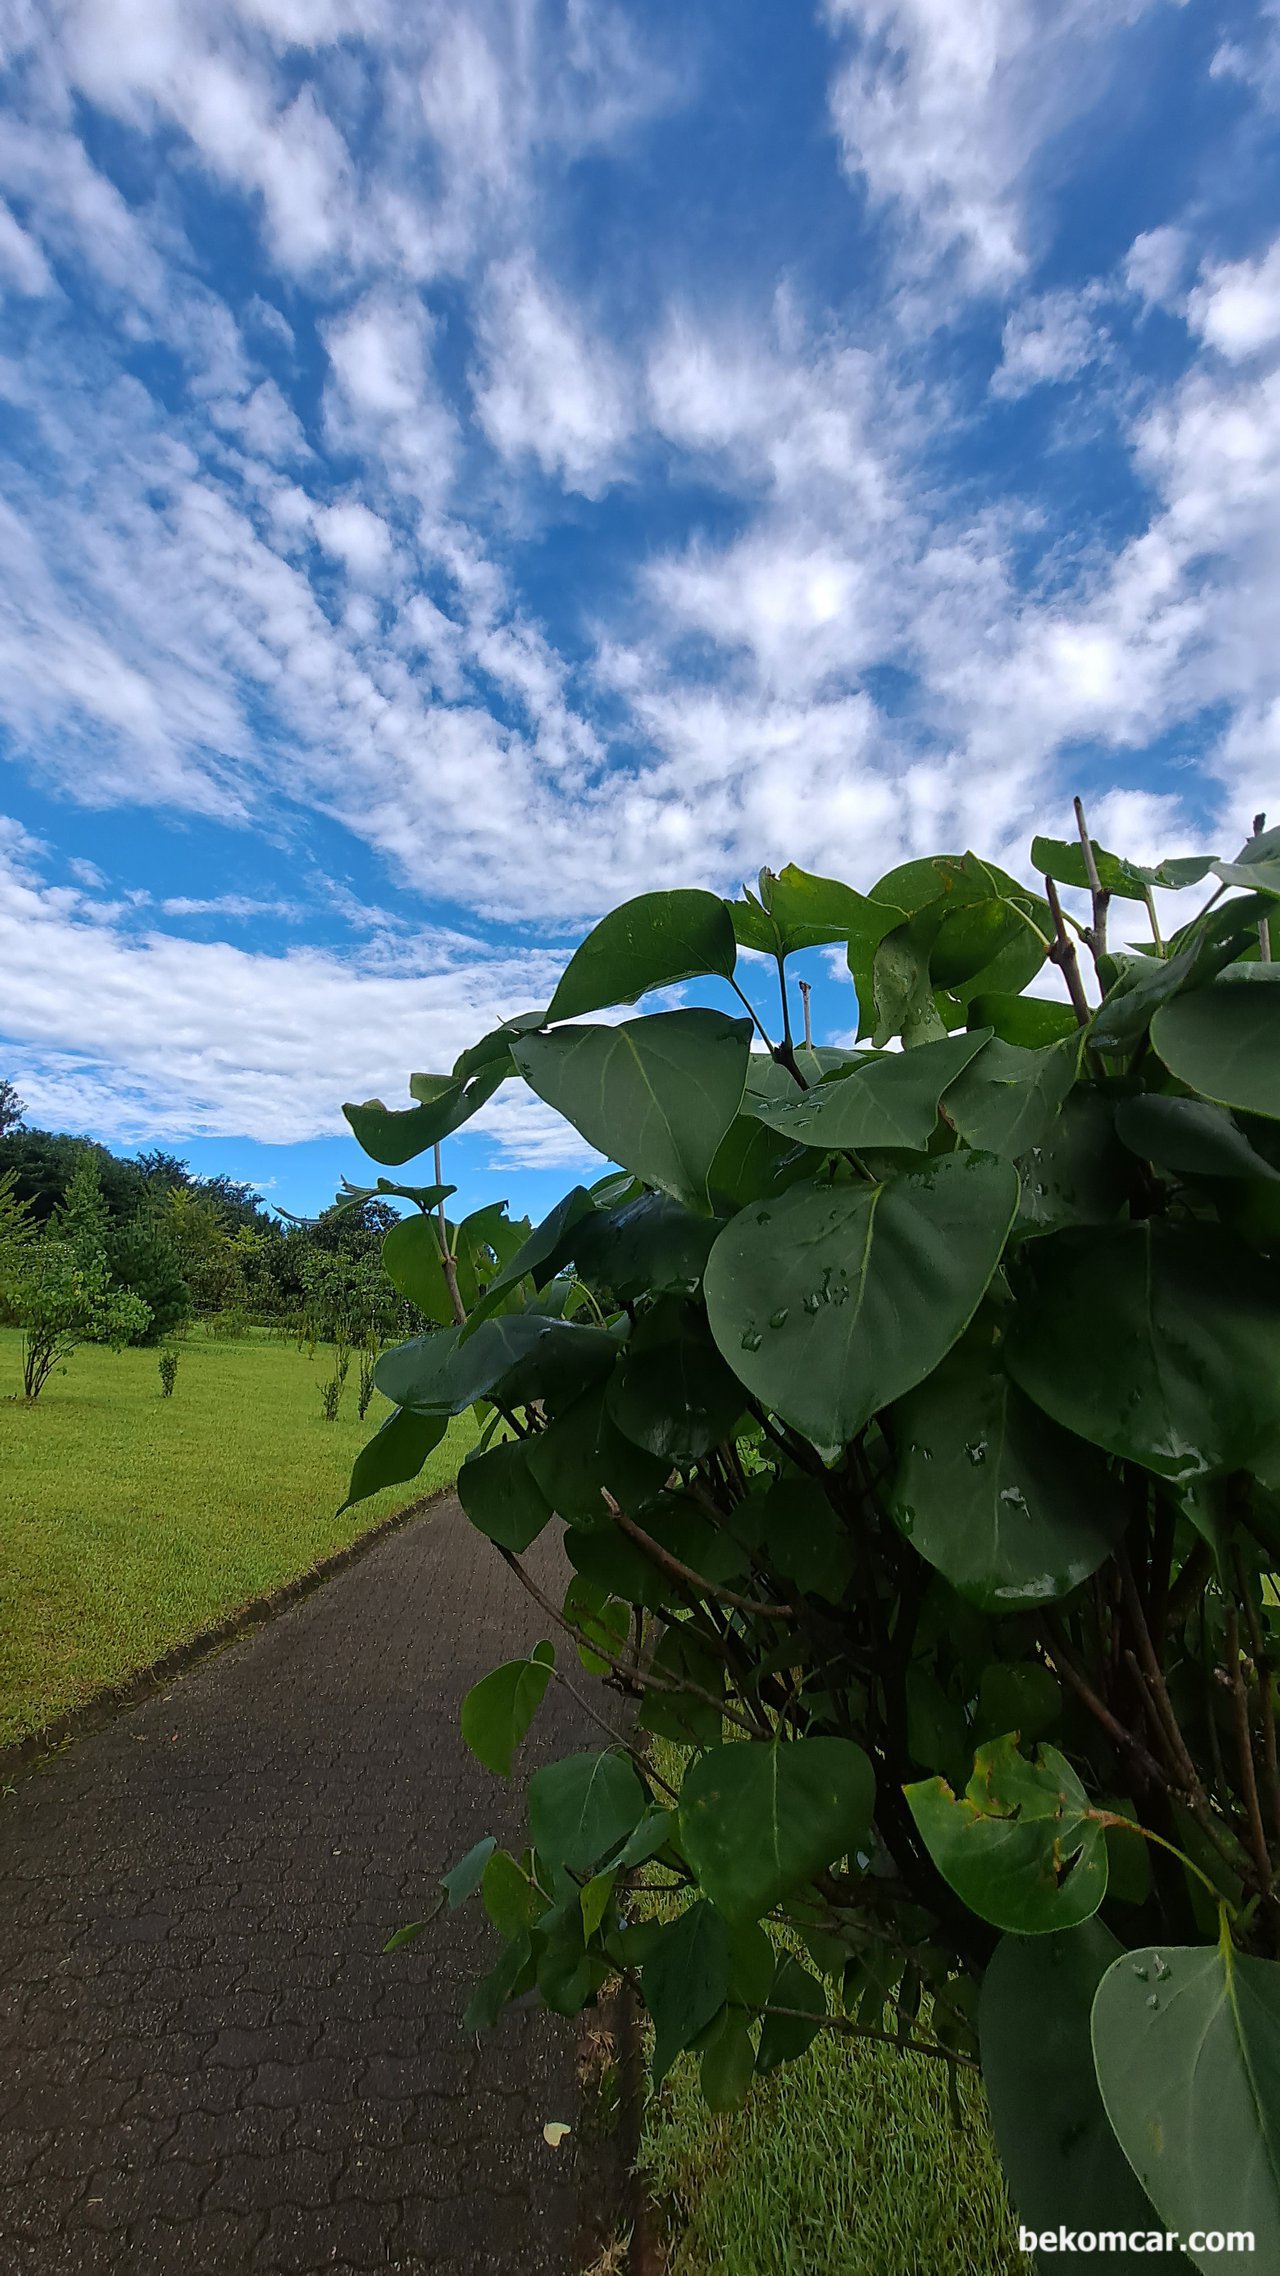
(846, 2163)
(129, 1522)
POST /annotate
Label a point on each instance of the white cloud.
(1236, 305)
(942, 109)
(356, 536)
(546, 387)
(169, 1037)
(1155, 265)
(21, 259)
(1049, 338)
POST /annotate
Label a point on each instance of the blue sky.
(461, 465)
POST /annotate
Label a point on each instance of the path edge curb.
(29, 1753)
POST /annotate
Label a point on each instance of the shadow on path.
(206, 2064)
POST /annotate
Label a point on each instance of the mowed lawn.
(129, 1522)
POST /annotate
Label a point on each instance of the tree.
(914, 1415)
(142, 1257)
(12, 1108)
(62, 1295)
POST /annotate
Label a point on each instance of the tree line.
(99, 1247)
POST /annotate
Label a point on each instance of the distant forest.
(205, 1248)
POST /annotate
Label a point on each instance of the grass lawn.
(129, 1522)
(846, 2163)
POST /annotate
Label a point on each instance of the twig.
(850, 2030)
(1063, 954)
(1100, 897)
(1264, 923)
(677, 1571)
(1244, 1748)
(1057, 1651)
(619, 1739)
(806, 991)
(1263, 1665)
(636, 1678)
(448, 1263)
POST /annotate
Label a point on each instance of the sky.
(462, 465)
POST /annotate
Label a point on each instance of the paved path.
(206, 2065)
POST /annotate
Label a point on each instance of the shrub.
(143, 1258)
(168, 1373)
(914, 1414)
(62, 1296)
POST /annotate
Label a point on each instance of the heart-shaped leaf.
(498, 1710)
(1159, 1342)
(581, 1808)
(1014, 1510)
(1022, 1846)
(759, 1820)
(501, 1496)
(1189, 1136)
(886, 1099)
(1007, 1100)
(831, 1301)
(1224, 1042)
(655, 1095)
(651, 942)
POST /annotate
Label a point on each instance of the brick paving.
(207, 2065)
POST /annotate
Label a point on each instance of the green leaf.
(411, 1261)
(512, 1975)
(888, 1099)
(1210, 942)
(673, 1394)
(581, 1807)
(1224, 1042)
(802, 911)
(444, 1372)
(582, 1453)
(1187, 2048)
(494, 1049)
(655, 1095)
(651, 942)
(685, 1982)
(1031, 1021)
(752, 1164)
(1079, 1174)
(501, 1497)
(1015, 1511)
(512, 1905)
(1009, 1098)
(601, 1617)
(784, 2038)
(691, 1658)
(729, 2063)
(832, 1301)
(758, 1820)
(647, 1247)
(1064, 861)
(800, 1536)
(1189, 1136)
(1022, 1846)
(1256, 866)
(498, 1710)
(1063, 2163)
(394, 1454)
(465, 1877)
(903, 991)
(393, 1137)
(1158, 1342)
